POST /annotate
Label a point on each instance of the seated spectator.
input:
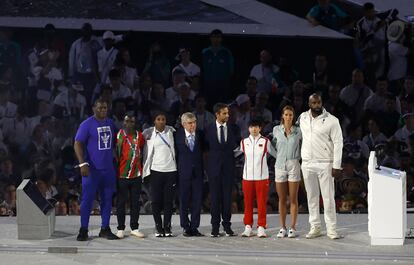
(8, 173)
(251, 88)
(260, 106)
(38, 145)
(264, 71)
(401, 136)
(61, 208)
(118, 89)
(375, 136)
(327, 14)
(70, 102)
(355, 95)
(184, 102)
(118, 112)
(9, 203)
(378, 101)
(158, 100)
(243, 114)
(353, 146)
(172, 93)
(129, 75)
(408, 87)
(204, 117)
(17, 130)
(389, 116)
(336, 106)
(7, 109)
(322, 75)
(186, 65)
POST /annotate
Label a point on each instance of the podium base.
(376, 241)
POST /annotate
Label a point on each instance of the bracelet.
(82, 164)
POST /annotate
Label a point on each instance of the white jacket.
(255, 157)
(322, 138)
(148, 152)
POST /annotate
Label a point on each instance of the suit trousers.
(318, 180)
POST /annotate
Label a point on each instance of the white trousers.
(318, 180)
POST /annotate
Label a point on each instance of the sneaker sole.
(141, 236)
(312, 237)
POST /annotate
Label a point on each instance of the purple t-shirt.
(98, 138)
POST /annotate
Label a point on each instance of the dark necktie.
(222, 139)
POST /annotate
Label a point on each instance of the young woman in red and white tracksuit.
(255, 178)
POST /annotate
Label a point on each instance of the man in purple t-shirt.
(94, 142)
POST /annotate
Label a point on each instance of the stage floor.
(353, 248)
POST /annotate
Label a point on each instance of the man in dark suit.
(190, 173)
(222, 138)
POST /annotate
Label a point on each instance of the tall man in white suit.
(321, 162)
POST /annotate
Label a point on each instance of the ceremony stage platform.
(63, 249)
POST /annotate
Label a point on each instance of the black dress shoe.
(107, 233)
(83, 234)
(187, 233)
(196, 233)
(215, 232)
(167, 231)
(229, 232)
(159, 232)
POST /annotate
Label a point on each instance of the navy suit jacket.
(189, 162)
(221, 156)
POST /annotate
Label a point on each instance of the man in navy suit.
(222, 138)
(190, 171)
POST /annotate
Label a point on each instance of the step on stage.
(63, 249)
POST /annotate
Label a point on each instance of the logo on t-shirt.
(104, 138)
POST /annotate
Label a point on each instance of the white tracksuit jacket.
(322, 139)
(255, 157)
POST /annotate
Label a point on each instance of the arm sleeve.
(82, 134)
(313, 12)
(119, 142)
(271, 149)
(336, 137)
(339, 12)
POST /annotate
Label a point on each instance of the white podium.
(387, 206)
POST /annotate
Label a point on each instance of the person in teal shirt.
(218, 67)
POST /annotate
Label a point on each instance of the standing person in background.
(190, 173)
(160, 166)
(321, 161)
(106, 56)
(158, 66)
(218, 67)
(128, 151)
(222, 139)
(94, 142)
(287, 140)
(255, 178)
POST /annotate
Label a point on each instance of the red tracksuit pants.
(255, 189)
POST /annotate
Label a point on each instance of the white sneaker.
(282, 233)
(314, 232)
(332, 234)
(137, 233)
(120, 233)
(247, 231)
(261, 232)
(291, 233)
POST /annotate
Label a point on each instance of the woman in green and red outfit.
(128, 151)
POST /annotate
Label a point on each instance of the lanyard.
(163, 139)
(133, 147)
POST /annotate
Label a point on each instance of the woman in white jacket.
(160, 165)
(287, 140)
